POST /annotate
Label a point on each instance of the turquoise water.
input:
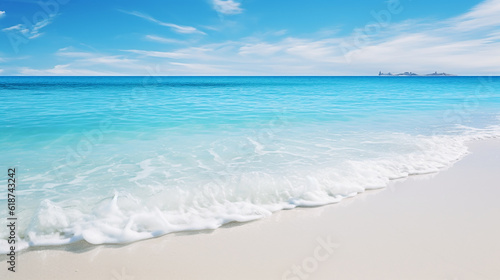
(119, 159)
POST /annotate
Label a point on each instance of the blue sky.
(248, 37)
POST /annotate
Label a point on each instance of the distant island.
(414, 74)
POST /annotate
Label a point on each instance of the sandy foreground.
(441, 226)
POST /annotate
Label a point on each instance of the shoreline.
(438, 226)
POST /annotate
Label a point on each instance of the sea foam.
(238, 195)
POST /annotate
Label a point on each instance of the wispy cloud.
(81, 59)
(400, 46)
(468, 44)
(200, 68)
(69, 52)
(176, 28)
(64, 70)
(227, 7)
(260, 49)
(159, 54)
(2, 13)
(75, 62)
(110, 60)
(486, 14)
(191, 53)
(163, 40)
(30, 32)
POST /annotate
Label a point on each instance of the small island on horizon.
(414, 74)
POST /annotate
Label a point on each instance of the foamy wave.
(242, 195)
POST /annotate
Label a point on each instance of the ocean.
(121, 159)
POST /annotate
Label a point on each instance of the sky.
(248, 37)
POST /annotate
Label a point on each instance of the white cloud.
(227, 7)
(407, 46)
(70, 52)
(76, 59)
(426, 53)
(31, 32)
(16, 27)
(72, 62)
(109, 60)
(174, 27)
(163, 40)
(199, 69)
(159, 54)
(321, 50)
(183, 29)
(214, 28)
(261, 49)
(2, 13)
(19, 28)
(486, 14)
(279, 32)
(191, 53)
(64, 70)
(413, 45)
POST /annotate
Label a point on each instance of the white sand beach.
(441, 226)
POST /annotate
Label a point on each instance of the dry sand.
(442, 226)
